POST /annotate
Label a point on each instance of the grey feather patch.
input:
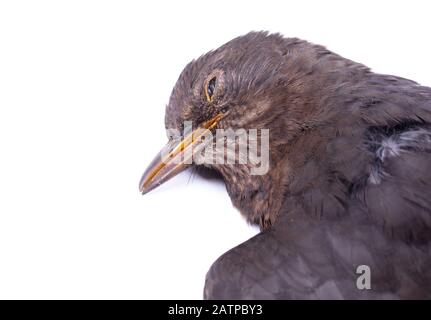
(387, 146)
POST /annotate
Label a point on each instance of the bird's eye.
(210, 89)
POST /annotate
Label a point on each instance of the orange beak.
(175, 157)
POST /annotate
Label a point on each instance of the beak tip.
(144, 189)
(160, 171)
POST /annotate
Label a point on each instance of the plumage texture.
(350, 171)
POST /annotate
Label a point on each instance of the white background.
(83, 86)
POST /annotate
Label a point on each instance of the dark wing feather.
(308, 259)
(400, 201)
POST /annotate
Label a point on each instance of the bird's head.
(256, 88)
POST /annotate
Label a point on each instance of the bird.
(347, 190)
